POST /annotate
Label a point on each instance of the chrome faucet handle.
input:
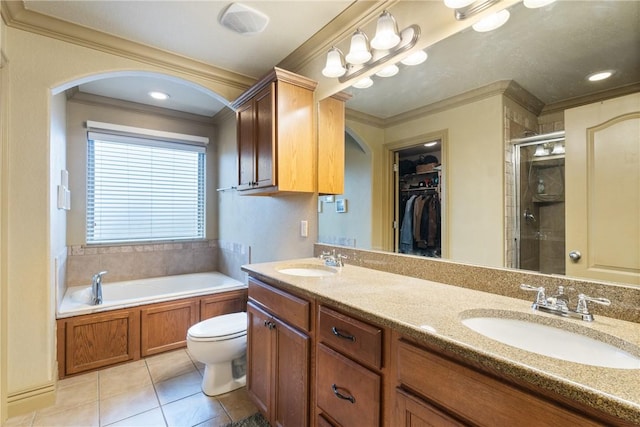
(583, 300)
(541, 297)
(98, 276)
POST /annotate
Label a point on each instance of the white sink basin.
(555, 342)
(307, 270)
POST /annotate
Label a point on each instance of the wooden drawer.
(348, 392)
(352, 337)
(476, 397)
(295, 311)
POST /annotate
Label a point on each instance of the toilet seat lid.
(220, 326)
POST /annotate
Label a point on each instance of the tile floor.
(162, 390)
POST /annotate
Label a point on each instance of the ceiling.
(547, 51)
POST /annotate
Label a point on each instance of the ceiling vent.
(244, 19)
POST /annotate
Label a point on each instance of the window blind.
(141, 189)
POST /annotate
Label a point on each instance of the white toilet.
(221, 344)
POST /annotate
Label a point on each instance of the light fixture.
(388, 71)
(558, 148)
(464, 9)
(541, 150)
(458, 4)
(334, 66)
(387, 35)
(359, 50)
(417, 57)
(363, 83)
(386, 47)
(600, 75)
(534, 4)
(158, 95)
(431, 144)
(491, 22)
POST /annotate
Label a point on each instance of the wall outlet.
(304, 228)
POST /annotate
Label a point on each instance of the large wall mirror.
(479, 93)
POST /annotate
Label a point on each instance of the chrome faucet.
(332, 259)
(96, 288)
(559, 303)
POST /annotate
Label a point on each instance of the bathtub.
(130, 293)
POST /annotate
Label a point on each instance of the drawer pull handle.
(339, 334)
(342, 396)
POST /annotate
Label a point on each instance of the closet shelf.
(420, 189)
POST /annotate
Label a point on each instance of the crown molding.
(591, 98)
(364, 118)
(16, 16)
(74, 95)
(341, 27)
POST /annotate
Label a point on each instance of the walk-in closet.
(418, 199)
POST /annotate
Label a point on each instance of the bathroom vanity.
(382, 349)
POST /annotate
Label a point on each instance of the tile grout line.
(155, 390)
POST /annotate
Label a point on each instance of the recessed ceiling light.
(491, 22)
(600, 75)
(158, 95)
(431, 144)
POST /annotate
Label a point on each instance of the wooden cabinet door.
(265, 167)
(412, 412)
(164, 326)
(95, 341)
(226, 303)
(246, 145)
(292, 376)
(259, 359)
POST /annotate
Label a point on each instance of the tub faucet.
(96, 288)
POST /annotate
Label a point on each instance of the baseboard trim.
(30, 400)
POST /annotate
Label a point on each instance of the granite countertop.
(432, 312)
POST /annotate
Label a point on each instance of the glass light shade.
(533, 4)
(415, 58)
(558, 148)
(492, 21)
(334, 66)
(359, 50)
(363, 83)
(541, 151)
(388, 71)
(457, 4)
(386, 32)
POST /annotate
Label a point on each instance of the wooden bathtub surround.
(96, 340)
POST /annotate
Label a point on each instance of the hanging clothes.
(406, 230)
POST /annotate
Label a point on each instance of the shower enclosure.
(539, 204)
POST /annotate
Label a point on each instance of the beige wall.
(38, 65)
(4, 75)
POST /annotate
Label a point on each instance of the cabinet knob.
(575, 256)
(269, 324)
(342, 396)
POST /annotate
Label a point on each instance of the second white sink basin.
(307, 270)
(554, 342)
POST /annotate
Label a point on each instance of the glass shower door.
(540, 205)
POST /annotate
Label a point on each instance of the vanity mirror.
(479, 92)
